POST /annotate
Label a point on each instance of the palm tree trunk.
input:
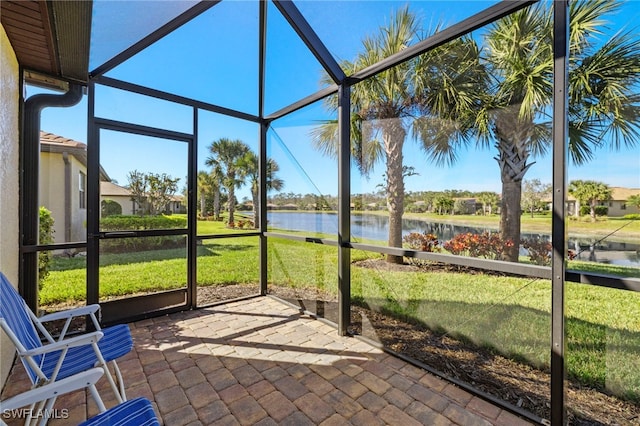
(232, 203)
(203, 205)
(513, 136)
(393, 137)
(256, 208)
(510, 215)
(216, 203)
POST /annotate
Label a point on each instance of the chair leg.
(116, 389)
(96, 397)
(119, 380)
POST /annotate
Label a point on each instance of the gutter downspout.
(30, 180)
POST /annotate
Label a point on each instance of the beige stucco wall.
(52, 181)
(9, 124)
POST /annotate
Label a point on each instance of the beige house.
(119, 194)
(63, 170)
(617, 206)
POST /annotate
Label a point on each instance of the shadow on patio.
(259, 361)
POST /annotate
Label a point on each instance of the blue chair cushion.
(135, 412)
(115, 343)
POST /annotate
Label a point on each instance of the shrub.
(632, 216)
(110, 208)
(140, 223)
(423, 242)
(45, 236)
(539, 250)
(600, 210)
(487, 245)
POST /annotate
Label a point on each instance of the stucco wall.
(52, 182)
(51, 191)
(9, 98)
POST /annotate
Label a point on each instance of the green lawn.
(507, 314)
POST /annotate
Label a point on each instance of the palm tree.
(634, 201)
(251, 165)
(384, 108)
(488, 200)
(228, 155)
(589, 192)
(204, 190)
(603, 104)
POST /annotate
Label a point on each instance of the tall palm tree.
(384, 108)
(273, 182)
(603, 103)
(228, 156)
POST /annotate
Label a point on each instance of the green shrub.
(110, 208)
(600, 210)
(45, 236)
(632, 216)
(141, 223)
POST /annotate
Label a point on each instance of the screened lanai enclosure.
(456, 182)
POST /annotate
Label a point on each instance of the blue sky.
(225, 73)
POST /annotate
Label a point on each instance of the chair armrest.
(68, 384)
(84, 339)
(70, 313)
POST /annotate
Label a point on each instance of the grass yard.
(509, 315)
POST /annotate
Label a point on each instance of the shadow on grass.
(502, 349)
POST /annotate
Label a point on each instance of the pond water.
(376, 227)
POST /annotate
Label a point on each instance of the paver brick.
(372, 402)
(233, 393)
(398, 398)
(246, 375)
(182, 416)
(190, 377)
(277, 405)
(247, 410)
(212, 412)
(335, 420)
(317, 384)
(162, 380)
(171, 399)
(428, 397)
(464, 417)
(457, 394)
(373, 382)
(221, 379)
(349, 386)
(342, 403)
(315, 408)
(260, 389)
(297, 419)
(506, 418)
(365, 418)
(484, 408)
(290, 387)
(393, 415)
(201, 395)
(426, 415)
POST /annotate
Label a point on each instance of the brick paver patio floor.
(261, 362)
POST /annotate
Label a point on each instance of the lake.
(376, 227)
